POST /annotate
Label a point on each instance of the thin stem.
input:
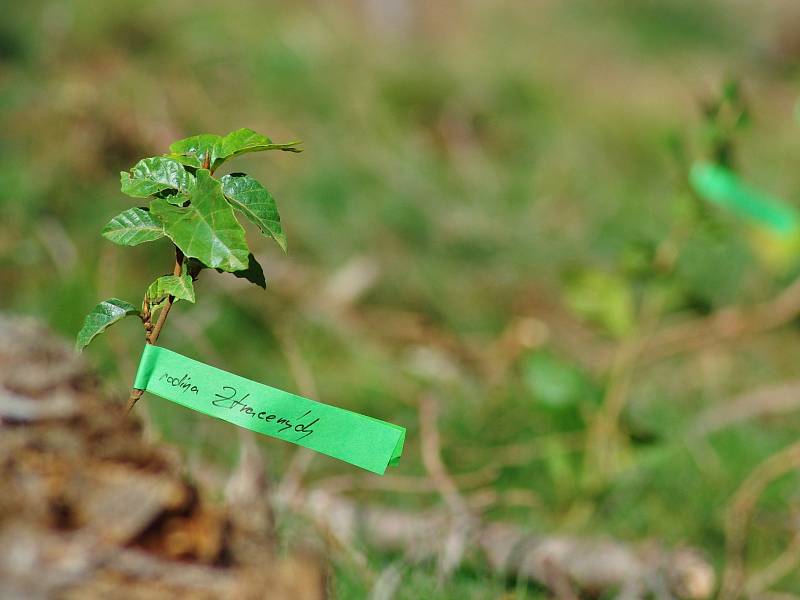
(151, 335)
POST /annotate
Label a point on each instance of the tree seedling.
(197, 212)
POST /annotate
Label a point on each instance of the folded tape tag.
(722, 186)
(357, 439)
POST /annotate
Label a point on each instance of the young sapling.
(197, 212)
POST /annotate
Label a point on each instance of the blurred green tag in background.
(724, 188)
(357, 439)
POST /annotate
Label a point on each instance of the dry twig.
(506, 550)
(740, 513)
(772, 400)
(461, 520)
(726, 325)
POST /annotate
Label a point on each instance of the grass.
(494, 165)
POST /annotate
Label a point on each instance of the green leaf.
(189, 160)
(207, 229)
(179, 286)
(604, 298)
(257, 204)
(556, 383)
(101, 318)
(152, 175)
(133, 226)
(246, 140)
(253, 273)
(192, 151)
(240, 140)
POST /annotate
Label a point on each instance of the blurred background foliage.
(492, 208)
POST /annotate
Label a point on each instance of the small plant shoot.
(199, 213)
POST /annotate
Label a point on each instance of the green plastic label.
(723, 187)
(357, 439)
